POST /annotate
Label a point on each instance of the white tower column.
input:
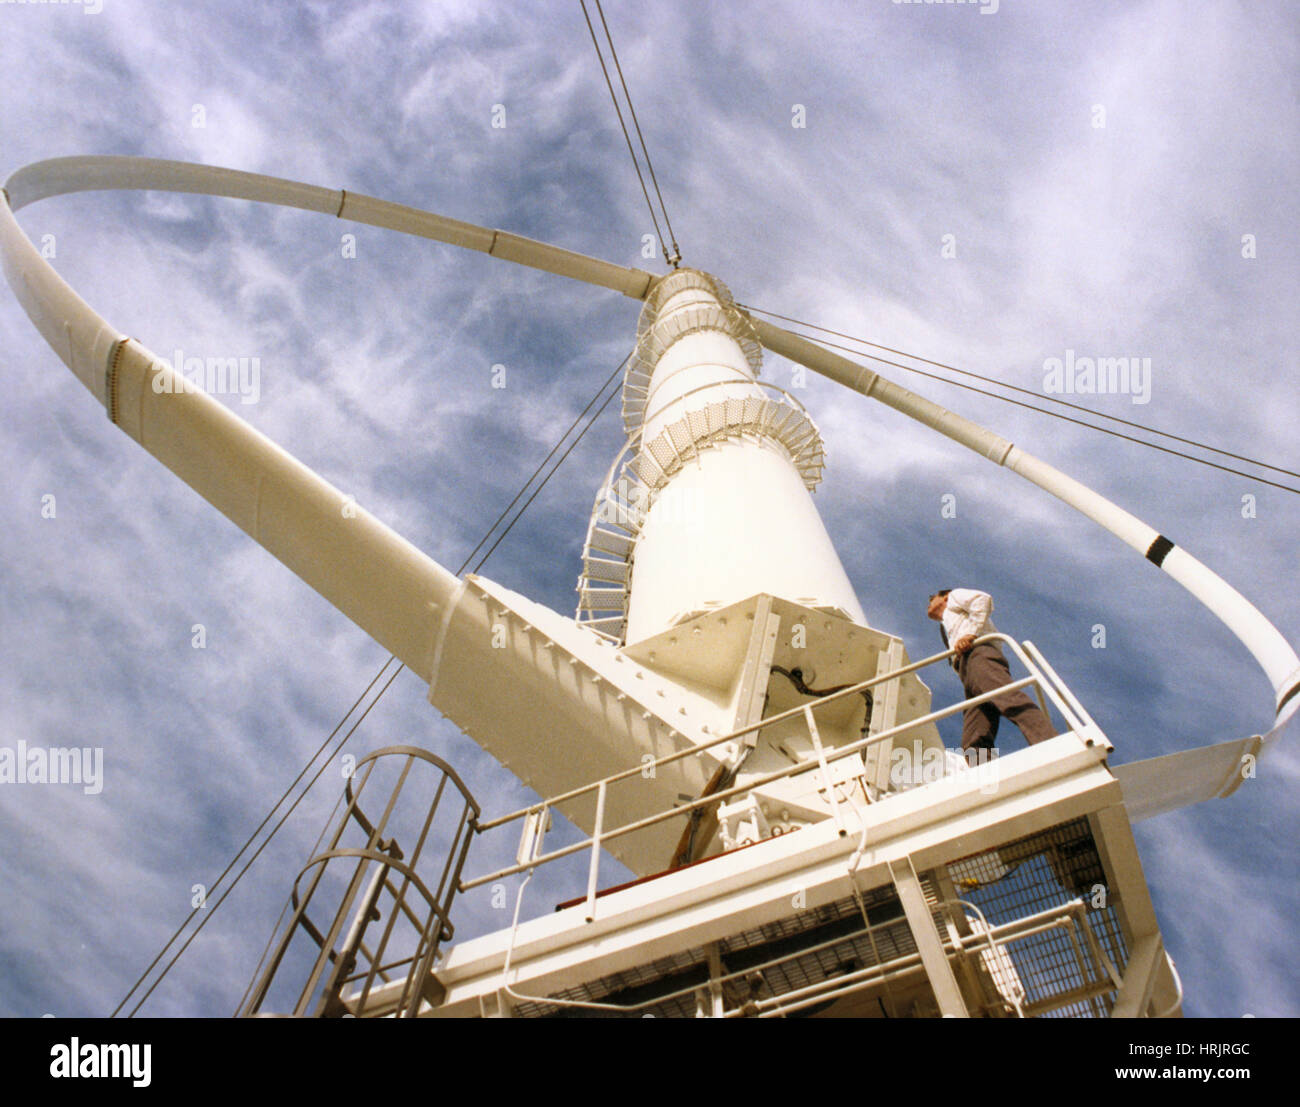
(727, 466)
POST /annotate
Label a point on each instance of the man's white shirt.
(968, 612)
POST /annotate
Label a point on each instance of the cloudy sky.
(986, 188)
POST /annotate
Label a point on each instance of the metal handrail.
(601, 835)
(730, 736)
(995, 949)
(794, 401)
(1042, 663)
(836, 754)
(1063, 915)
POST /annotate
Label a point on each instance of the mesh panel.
(1010, 883)
(770, 960)
(1030, 875)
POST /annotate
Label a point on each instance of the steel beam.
(928, 942)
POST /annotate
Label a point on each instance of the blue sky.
(922, 121)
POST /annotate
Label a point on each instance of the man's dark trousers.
(982, 669)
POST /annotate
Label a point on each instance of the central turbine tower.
(710, 503)
(707, 562)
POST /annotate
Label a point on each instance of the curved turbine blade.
(1161, 784)
(441, 628)
(1273, 652)
(369, 572)
(60, 176)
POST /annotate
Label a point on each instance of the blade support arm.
(1270, 649)
(391, 590)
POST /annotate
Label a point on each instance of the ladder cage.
(374, 905)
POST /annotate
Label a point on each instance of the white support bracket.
(758, 668)
(1139, 979)
(884, 714)
(928, 942)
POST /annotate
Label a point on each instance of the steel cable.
(285, 795)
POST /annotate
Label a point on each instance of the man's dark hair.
(941, 592)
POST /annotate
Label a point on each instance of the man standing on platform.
(963, 615)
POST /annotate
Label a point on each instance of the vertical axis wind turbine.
(711, 598)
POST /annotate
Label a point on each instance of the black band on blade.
(1159, 549)
(1294, 691)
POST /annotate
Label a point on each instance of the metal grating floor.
(1009, 883)
(1033, 873)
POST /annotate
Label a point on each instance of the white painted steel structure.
(96, 352)
(711, 595)
(730, 514)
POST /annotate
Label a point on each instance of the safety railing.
(1096, 974)
(891, 962)
(1042, 678)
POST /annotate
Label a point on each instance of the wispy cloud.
(921, 122)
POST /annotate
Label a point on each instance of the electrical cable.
(795, 677)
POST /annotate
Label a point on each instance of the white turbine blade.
(1161, 784)
(1273, 652)
(59, 176)
(366, 570)
(380, 581)
(414, 607)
